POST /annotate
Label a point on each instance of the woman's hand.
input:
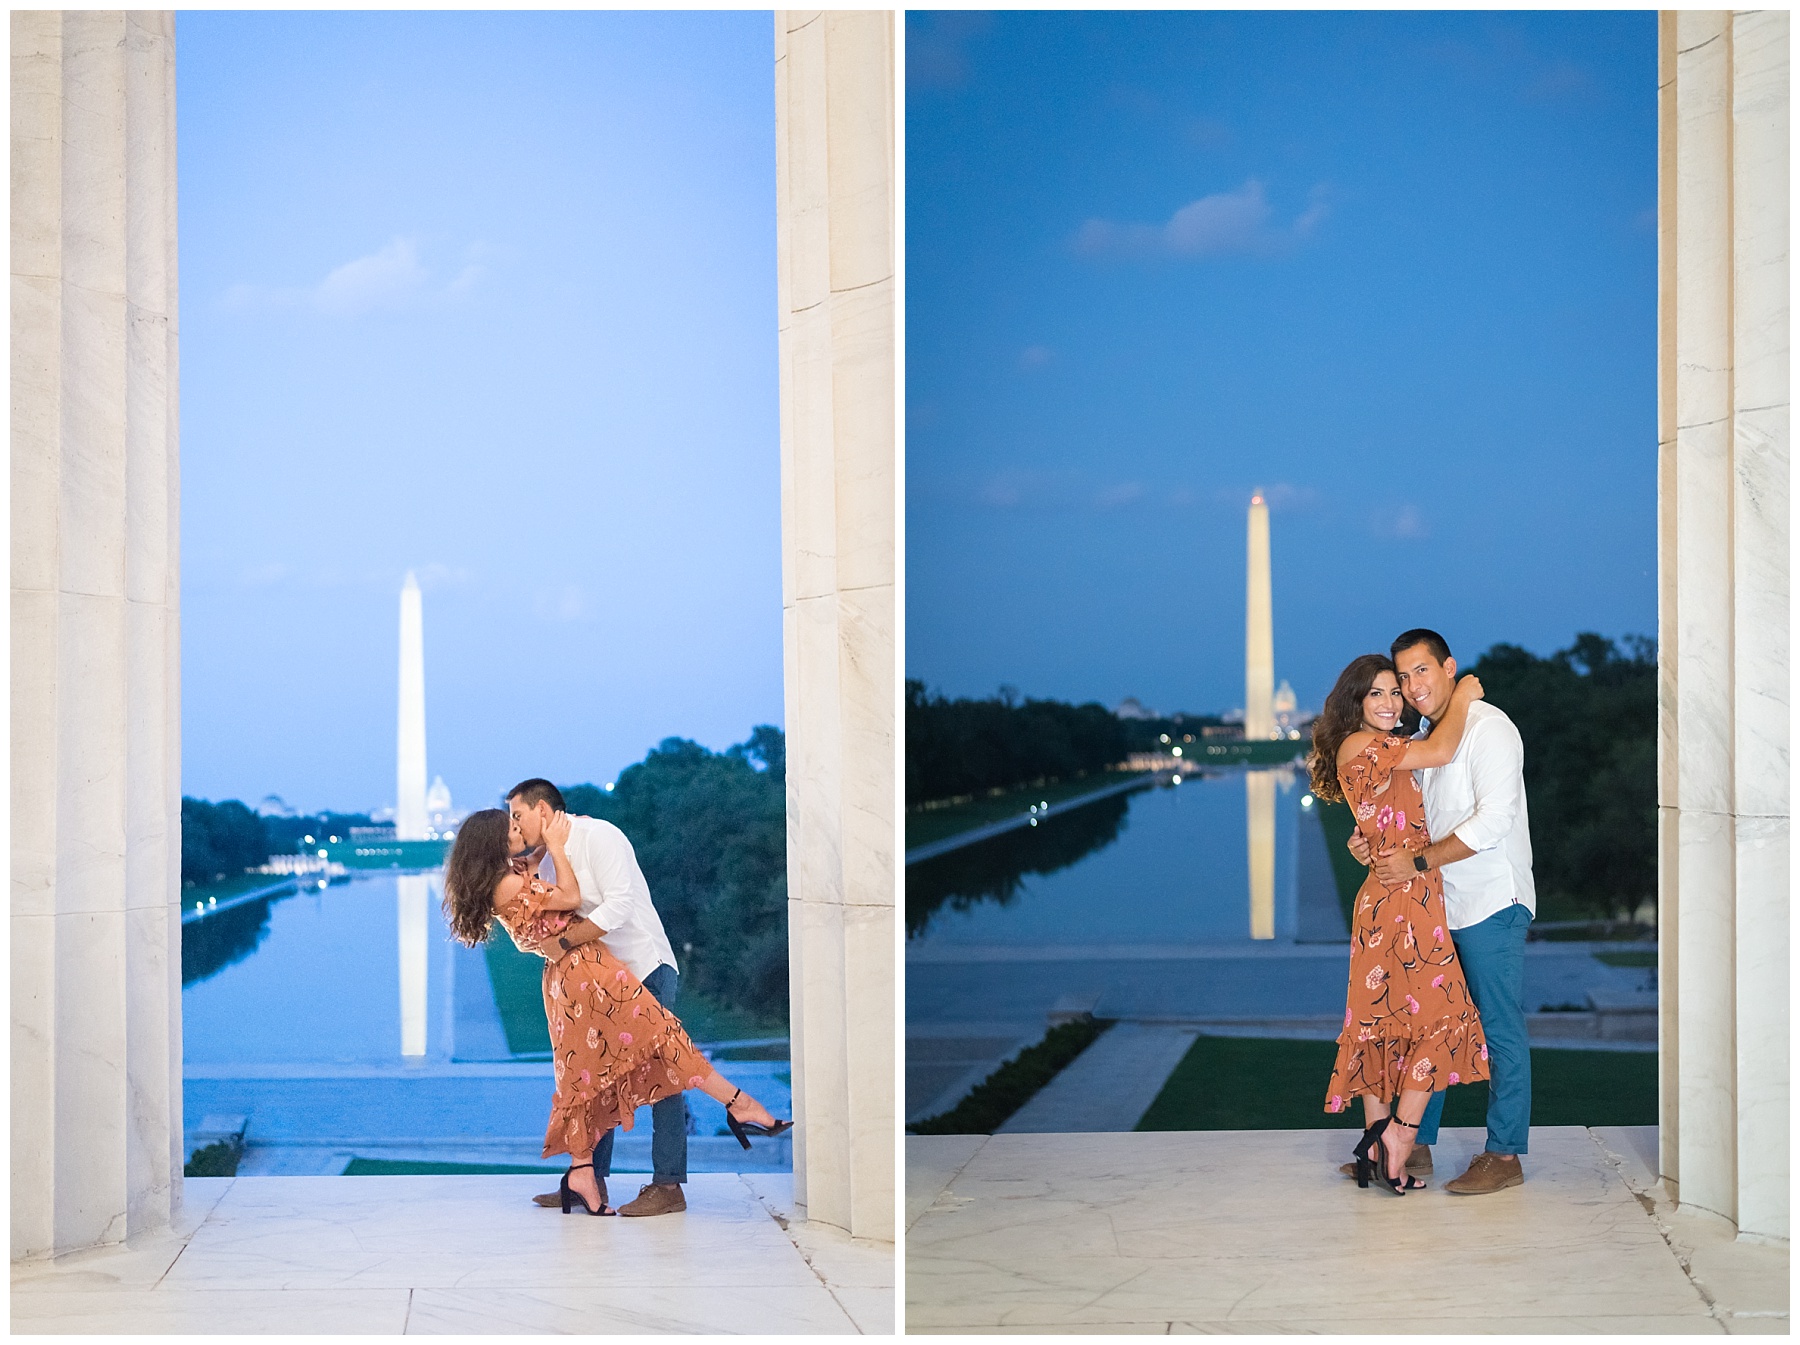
(557, 831)
(1469, 687)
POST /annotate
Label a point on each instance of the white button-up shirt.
(1479, 796)
(614, 894)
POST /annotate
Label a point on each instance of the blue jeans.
(668, 1118)
(1493, 958)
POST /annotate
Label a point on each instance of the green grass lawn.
(1010, 1087)
(517, 979)
(389, 1167)
(1637, 957)
(936, 824)
(1252, 1083)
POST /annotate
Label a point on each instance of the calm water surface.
(1174, 869)
(321, 981)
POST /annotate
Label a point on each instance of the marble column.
(834, 159)
(1723, 604)
(96, 729)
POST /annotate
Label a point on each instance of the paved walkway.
(1255, 1232)
(312, 1119)
(386, 1255)
(1031, 817)
(1110, 1085)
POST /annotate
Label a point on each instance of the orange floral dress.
(1408, 1020)
(614, 1046)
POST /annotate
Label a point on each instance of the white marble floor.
(386, 1255)
(1255, 1232)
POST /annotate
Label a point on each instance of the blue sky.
(491, 297)
(1397, 270)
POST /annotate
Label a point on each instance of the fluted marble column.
(834, 125)
(96, 738)
(1723, 598)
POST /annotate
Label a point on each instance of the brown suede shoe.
(552, 1200)
(654, 1198)
(1418, 1162)
(1488, 1172)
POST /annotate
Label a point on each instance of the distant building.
(273, 805)
(1132, 708)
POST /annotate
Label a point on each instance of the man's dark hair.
(533, 792)
(1439, 647)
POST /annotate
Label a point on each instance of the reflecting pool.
(1171, 864)
(360, 972)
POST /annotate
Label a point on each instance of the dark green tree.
(219, 840)
(1587, 715)
(967, 746)
(710, 832)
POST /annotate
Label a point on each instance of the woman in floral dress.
(1410, 1026)
(614, 1046)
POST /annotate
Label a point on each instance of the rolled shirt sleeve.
(1496, 773)
(605, 872)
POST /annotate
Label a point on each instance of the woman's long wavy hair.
(1341, 717)
(477, 863)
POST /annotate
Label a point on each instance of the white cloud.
(565, 604)
(1405, 524)
(1225, 222)
(391, 277)
(1124, 493)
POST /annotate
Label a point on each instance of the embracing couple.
(1437, 951)
(569, 889)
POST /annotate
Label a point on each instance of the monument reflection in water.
(1209, 861)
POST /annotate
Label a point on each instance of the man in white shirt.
(1475, 807)
(615, 897)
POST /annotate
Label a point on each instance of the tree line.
(221, 840)
(1587, 715)
(964, 746)
(710, 832)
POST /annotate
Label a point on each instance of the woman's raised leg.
(745, 1107)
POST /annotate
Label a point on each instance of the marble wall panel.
(862, 343)
(96, 658)
(869, 935)
(1708, 1018)
(868, 733)
(150, 1105)
(89, 1067)
(1763, 1015)
(834, 81)
(32, 1119)
(859, 99)
(1723, 514)
(36, 142)
(90, 770)
(34, 735)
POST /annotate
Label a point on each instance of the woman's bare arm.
(1447, 735)
(566, 895)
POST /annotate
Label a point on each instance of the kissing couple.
(569, 889)
(1437, 948)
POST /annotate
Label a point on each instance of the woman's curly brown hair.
(477, 863)
(1341, 717)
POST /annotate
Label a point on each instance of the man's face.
(515, 839)
(1424, 681)
(528, 821)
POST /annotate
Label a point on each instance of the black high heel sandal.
(745, 1129)
(1408, 1182)
(1370, 1143)
(570, 1196)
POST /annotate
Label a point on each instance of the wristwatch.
(1420, 864)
